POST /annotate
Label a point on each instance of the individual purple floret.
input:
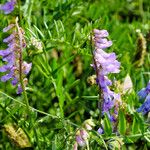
(8, 7)
(100, 131)
(15, 68)
(8, 27)
(145, 108)
(104, 64)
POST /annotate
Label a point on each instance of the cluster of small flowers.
(8, 7)
(145, 94)
(36, 43)
(104, 64)
(82, 135)
(81, 138)
(15, 67)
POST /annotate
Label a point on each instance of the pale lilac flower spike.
(104, 64)
(8, 7)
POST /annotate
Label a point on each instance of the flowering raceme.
(14, 68)
(104, 64)
(145, 94)
(8, 7)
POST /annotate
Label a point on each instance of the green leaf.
(135, 125)
(67, 61)
(90, 98)
(140, 121)
(107, 125)
(75, 83)
(39, 31)
(128, 140)
(122, 122)
(60, 92)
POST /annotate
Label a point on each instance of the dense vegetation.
(62, 94)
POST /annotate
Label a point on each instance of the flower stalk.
(20, 66)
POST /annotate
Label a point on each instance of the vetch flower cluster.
(81, 138)
(8, 7)
(15, 68)
(104, 64)
(145, 94)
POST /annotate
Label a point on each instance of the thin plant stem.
(87, 145)
(39, 111)
(20, 66)
(100, 100)
(20, 14)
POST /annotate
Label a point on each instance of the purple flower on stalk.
(104, 64)
(145, 108)
(8, 7)
(14, 68)
(145, 94)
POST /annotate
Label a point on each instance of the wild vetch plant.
(15, 68)
(48, 97)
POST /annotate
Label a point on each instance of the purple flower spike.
(8, 7)
(144, 92)
(145, 108)
(15, 68)
(104, 64)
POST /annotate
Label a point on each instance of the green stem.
(100, 105)
(31, 108)
(20, 14)
(87, 145)
(138, 135)
(39, 111)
